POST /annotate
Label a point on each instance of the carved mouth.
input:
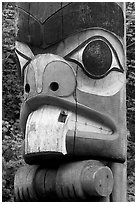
(85, 118)
(86, 125)
(48, 126)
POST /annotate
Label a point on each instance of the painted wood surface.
(73, 65)
(119, 193)
(46, 130)
(53, 22)
(73, 181)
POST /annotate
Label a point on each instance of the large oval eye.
(97, 58)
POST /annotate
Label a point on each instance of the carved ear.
(24, 55)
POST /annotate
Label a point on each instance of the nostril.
(27, 88)
(54, 86)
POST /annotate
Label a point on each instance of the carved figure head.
(73, 67)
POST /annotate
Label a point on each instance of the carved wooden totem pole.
(72, 64)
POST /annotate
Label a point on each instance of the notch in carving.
(62, 117)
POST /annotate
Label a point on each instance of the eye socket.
(97, 58)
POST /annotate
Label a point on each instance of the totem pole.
(72, 64)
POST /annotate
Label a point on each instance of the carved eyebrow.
(68, 56)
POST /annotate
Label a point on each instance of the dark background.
(12, 95)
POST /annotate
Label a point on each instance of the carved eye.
(97, 58)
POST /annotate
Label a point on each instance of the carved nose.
(59, 78)
(54, 86)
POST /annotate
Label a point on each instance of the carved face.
(74, 97)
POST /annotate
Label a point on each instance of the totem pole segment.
(72, 61)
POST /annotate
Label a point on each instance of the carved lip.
(87, 119)
(87, 126)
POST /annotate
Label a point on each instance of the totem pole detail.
(72, 64)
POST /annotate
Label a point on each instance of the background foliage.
(12, 95)
(130, 39)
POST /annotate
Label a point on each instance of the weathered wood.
(44, 132)
(23, 184)
(119, 193)
(72, 181)
(24, 55)
(58, 21)
(74, 98)
(84, 178)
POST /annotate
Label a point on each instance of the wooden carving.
(72, 65)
